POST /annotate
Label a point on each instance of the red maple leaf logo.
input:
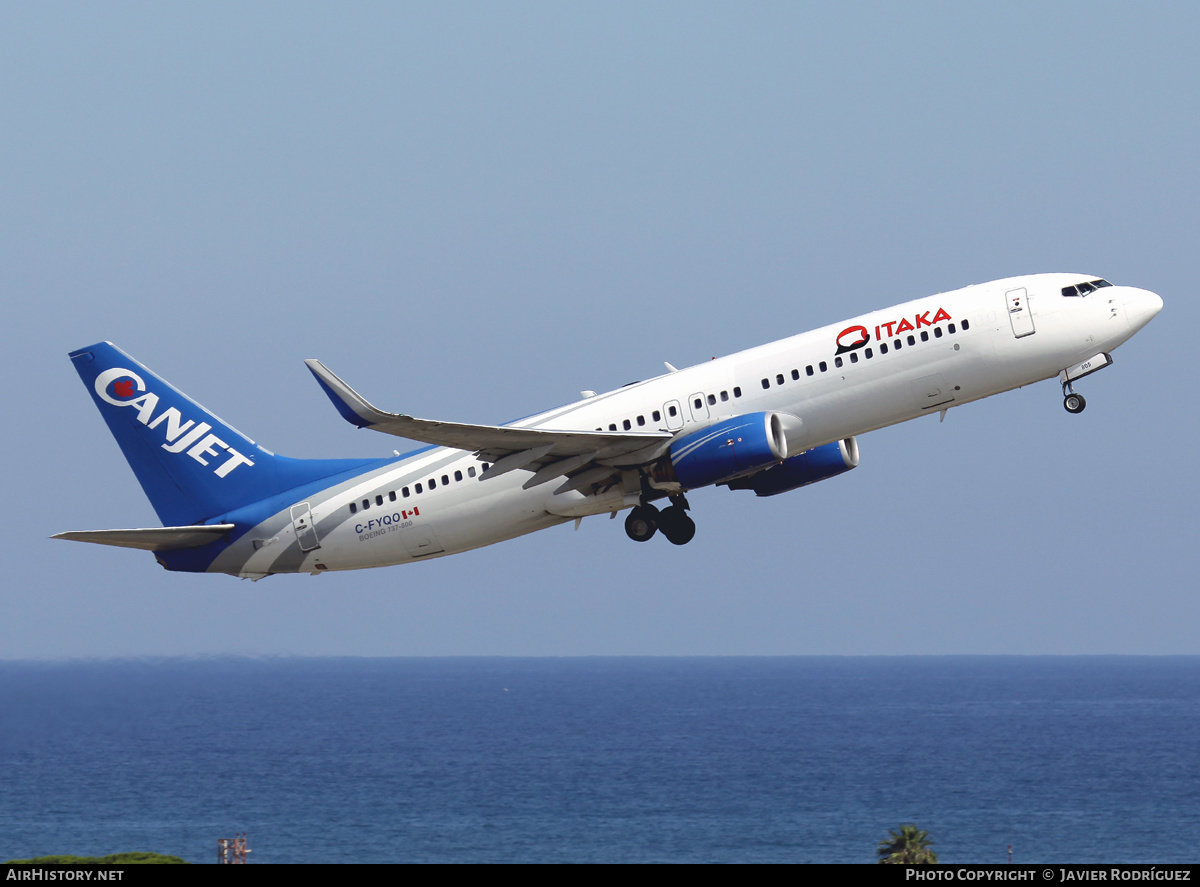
(124, 388)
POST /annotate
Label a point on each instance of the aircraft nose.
(1141, 307)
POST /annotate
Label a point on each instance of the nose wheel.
(1072, 402)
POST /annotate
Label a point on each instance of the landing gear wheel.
(642, 523)
(676, 525)
(1074, 403)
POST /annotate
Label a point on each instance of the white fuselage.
(954, 348)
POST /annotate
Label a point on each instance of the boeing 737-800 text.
(770, 419)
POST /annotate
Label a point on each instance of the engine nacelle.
(727, 450)
(800, 471)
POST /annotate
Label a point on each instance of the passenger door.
(1019, 314)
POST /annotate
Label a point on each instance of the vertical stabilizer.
(192, 466)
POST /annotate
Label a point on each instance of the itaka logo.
(854, 337)
(125, 388)
(851, 338)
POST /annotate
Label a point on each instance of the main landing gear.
(1074, 403)
(645, 520)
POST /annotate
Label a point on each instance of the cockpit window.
(1083, 289)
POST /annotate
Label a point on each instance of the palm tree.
(909, 847)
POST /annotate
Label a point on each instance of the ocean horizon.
(1069, 759)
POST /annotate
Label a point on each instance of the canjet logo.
(125, 388)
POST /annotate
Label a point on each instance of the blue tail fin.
(193, 466)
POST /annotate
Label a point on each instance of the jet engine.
(807, 468)
(726, 450)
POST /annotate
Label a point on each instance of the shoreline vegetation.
(134, 858)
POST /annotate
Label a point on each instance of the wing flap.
(151, 538)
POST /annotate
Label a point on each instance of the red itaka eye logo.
(852, 338)
(123, 388)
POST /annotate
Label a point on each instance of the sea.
(721, 759)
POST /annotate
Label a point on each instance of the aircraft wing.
(506, 446)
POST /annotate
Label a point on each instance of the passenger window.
(612, 427)
(641, 420)
(883, 347)
(951, 328)
(766, 384)
(937, 332)
(672, 412)
(391, 495)
(737, 392)
(924, 335)
(433, 483)
(366, 504)
(808, 370)
(795, 375)
(379, 499)
(837, 362)
(779, 378)
(823, 366)
(445, 480)
(471, 471)
(404, 492)
(698, 403)
(724, 396)
(966, 325)
(625, 424)
(656, 416)
(869, 354)
(896, 344)
(353, 508)
(417, 487)
(457, 475)
(854, 357)
(912, 340)
(485, 466)
(712, 400)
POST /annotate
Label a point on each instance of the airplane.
(768, 420)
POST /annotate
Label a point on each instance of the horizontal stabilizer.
(151, 538)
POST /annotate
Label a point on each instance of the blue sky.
(474, 211)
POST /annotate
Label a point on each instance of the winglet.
(352, 405)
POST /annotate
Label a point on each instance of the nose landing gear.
(1072, 402)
